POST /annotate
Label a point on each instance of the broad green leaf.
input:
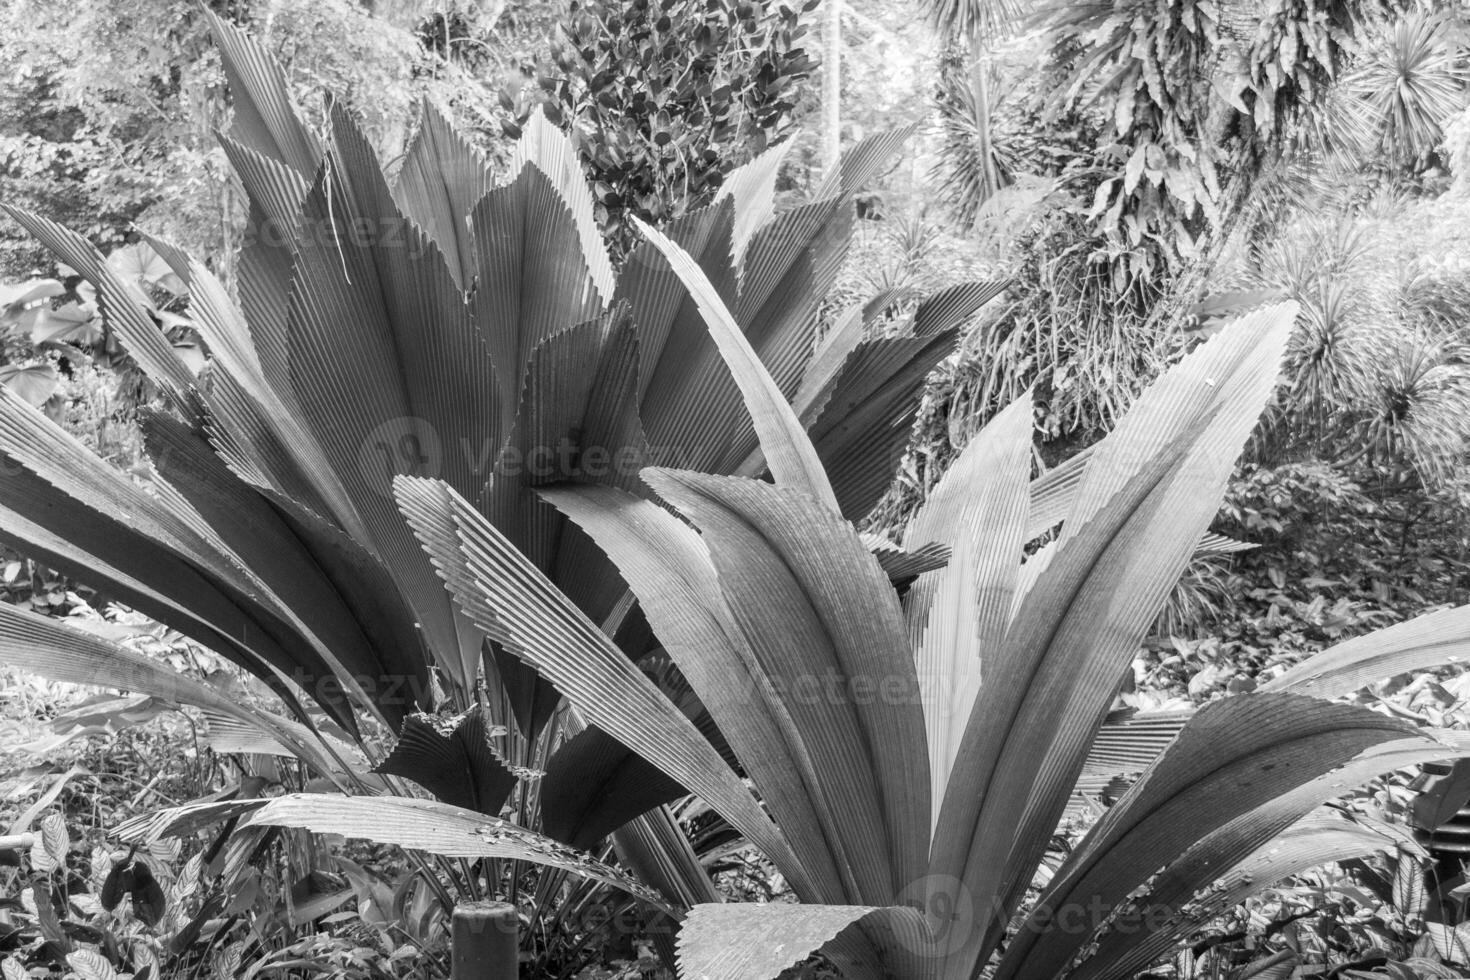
(55, 838)
(672, 338)
(1132, 743)
(826, 629)
(576, 400)
(1250, 852)
(139, 262)
(90, 965)
(752, 190)
(1409, 894)
(514, 604)
(1233, 756)
(787, 271)
(33, 383)
(667, 566)
(689, 401)
(532, 276)
(1441, 795)
(264, 117)
(1052, 493)
(440, 182)
(593, 785)
(1148, 493)
(16, 296)
(70, 323)
(865, 423)
(276, 192)
(958, 615)
(460, 767)
(788, 451)
(549, 150)
(828, 362)
(379, 399)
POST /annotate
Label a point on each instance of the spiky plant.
(1375, 372)
(1409, 86)
(975, 163)
(1417, 405)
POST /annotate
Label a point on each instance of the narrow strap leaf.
(1247, 843)
(427, 825)
(658, 852)
(1232, 756)
(1425, 641)
(123, 305)
(44, 645)
(954, 306)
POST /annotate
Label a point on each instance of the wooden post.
(17, 842)
(486, 940)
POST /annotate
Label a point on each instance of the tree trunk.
(831, 87)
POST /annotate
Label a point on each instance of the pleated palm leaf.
(437, 324)
(914, 750)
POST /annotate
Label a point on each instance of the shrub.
(664, 99)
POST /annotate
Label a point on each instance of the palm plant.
(914, 803)
(907, 803)
(438, 324)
